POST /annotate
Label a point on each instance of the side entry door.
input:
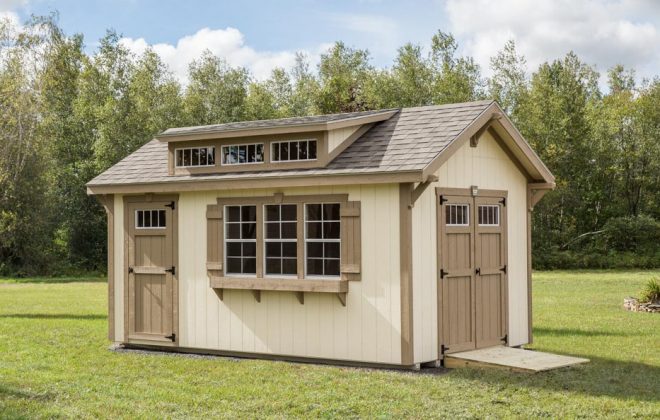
(151, 301)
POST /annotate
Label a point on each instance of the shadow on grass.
(575, 332)
(54, 280)
(600, 377)
(54, 316)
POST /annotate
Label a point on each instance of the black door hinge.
(130, 270)
(477, 271)
(443, 349)
(443, 273)
(171, 270)
(442, 199)
(171, 205)
(171, 337)
(503, 201)
(505, 338)
(503, 269)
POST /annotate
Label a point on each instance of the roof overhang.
(495, 121)
(258, 182)
(219, 133)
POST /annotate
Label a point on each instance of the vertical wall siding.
(335, 137)
(119, 267)
(366, 329)
(488, 167)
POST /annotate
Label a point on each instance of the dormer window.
(239, 154)
(195, 156)
(287, 151)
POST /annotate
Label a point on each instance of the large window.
(280, 236)
(322, 240)
(241, 154)
(286, 151)
(195, 156)
(241, 239)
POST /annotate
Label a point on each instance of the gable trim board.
(375, 164)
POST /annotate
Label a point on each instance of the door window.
(457, 215)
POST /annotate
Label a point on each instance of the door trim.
(467, 192)
(146, 198)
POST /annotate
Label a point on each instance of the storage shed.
(388, 237)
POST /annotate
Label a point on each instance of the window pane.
(249, 249)
(161, 218)
(331, 250)
(273, 266)
(234, 249)
(289, 249)
(251, 153)
(331, 230)
(248, 231)
(314, 249)
(249, 265)
(272, 230)
(314, 230)
(313, 211)
(211, 156)
(186, 157)
(289, 266)
(233, 231)
(331, 267)
(293, 150)
(276, 152)
(147, 219)
(248, 213)
(312, 150)
(302, 150)
(289, 212)
(260, 153)
(314, 267)
(179, 158)
(289, 230)
(273, 249)
(233, 213)
(195, 157)
(331, 212)
(233, 265)
(202, 156)
(284, 151)
(272, 212)
(140, 218)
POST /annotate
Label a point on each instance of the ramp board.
(520, 360)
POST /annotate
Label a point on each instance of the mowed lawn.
(54, 362)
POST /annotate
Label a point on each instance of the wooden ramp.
(520, 360)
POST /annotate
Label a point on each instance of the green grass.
(54, 362)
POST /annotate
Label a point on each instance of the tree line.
(67, 115)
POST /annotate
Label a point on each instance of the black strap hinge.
(171, 337)
(171, 270)
(503, 201)
(503, 269)
(443, 273)
(505, 338)
(172, 205)
(443, 349)
(442, 199)
(130, 270)
(477, 271)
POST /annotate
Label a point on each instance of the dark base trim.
(264, 356)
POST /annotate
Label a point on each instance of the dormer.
(268, 145)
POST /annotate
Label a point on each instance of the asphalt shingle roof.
(407, 141)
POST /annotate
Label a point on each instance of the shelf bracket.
(342, 298)
(301, 297)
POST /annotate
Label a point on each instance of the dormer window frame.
(191, 148)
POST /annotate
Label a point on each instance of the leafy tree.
(456, 79)
(343, 73)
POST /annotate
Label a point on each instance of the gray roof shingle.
(407, 141)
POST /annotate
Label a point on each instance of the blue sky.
(262, 35)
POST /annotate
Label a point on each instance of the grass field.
(54, 362)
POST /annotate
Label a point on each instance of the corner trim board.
(406, 267)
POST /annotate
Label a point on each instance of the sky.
(267, 34)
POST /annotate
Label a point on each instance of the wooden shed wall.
(119, 267)
(366, 329)
(489, 167)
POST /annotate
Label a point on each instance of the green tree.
(455, 79)
(343, 73)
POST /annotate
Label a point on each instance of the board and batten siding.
(488, 167)
(336, 137)
(366, 329)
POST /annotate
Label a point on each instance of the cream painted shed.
(388, 237)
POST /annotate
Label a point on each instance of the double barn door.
(472, 265)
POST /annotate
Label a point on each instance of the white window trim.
(305, 241)
(176, 151)
(497, 214)
(149, 227)
(294, 240)
(467, 222)
(273, 144)
(222, 154)
(226, 240)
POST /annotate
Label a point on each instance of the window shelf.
(300, 286)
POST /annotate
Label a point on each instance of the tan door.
(490, 258)
(472, 271)
(457, 279)
(151, 302)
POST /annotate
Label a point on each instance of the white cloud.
(382, 32)
(227, 43)
(601, 32)
(6, 5)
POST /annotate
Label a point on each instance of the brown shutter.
(351, 243)
(214, 240)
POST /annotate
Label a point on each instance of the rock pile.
(633, 304)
